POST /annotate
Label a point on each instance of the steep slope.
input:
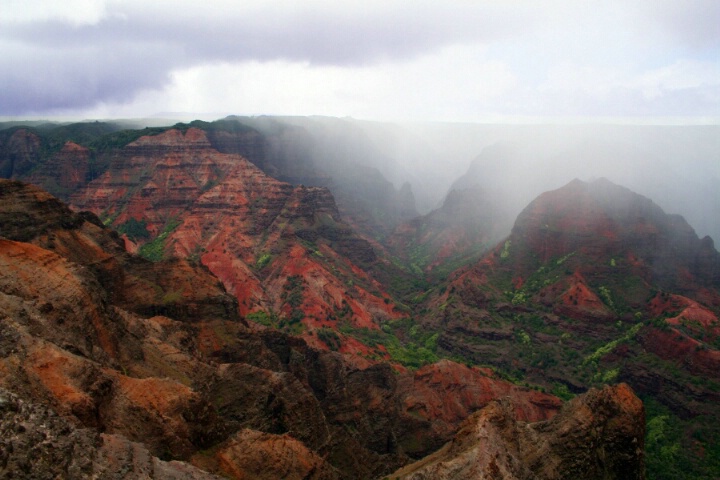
(457, 233)
(676, 166)
(320, 152)
(37, 443)
(596, 284)
(282, 251)
(81, 341)
(20, 152)
(334, 153)
(492, 444)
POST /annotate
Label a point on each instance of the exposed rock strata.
(599, 435)
(253, 232)
(77, 339)
(595, 284)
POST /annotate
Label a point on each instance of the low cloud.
(114, 52)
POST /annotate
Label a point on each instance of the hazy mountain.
(596, 284)
(679, 166)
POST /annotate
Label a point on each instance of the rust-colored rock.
(79, 337)
(28, 214)
(250, 454)
(65, 171)
(37, 443)
(251, 231)
(601, 220)
(599, 435)
(425, 395)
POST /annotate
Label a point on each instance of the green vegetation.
(155, 249)
(607, 377)
(291, 326)
(119, 139)
(606, 296)
(523, 337)
(562, 260)
(293, 296)
(417, 347)
(330, 338)
(561, 390)
(506, 250)
(269, 319)
(610, 346)
(263, 261)
(135, 229)
(671, 454)
(519, 298)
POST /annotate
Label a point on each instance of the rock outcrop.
(177, 196)
(19, 152)
(82, 337)
(599, 435)
(257, 455)
(595, 284)
(38, 443)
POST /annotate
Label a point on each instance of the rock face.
(19, 152)
(37, 443)
(324, 152)
(65, 171)
(601, 220)
(599, 435)
(464, 228)
(425, 395)
(30, 215)
(252, 454)
(595, 284)
(155, 356)
(282, 251)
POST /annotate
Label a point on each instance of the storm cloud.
(523, 58)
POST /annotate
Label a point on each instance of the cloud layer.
(403, 59)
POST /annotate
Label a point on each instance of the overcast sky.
(445, 60)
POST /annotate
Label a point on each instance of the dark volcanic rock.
(37, 443)
(173, 287)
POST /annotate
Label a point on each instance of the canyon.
(222, 299)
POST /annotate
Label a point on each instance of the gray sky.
(387, 60)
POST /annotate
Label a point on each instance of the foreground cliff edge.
(493, 444)
(113, 363)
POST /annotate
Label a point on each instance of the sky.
(453, 60)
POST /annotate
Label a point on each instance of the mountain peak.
(601, 220)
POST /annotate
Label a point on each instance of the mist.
(678, 167)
